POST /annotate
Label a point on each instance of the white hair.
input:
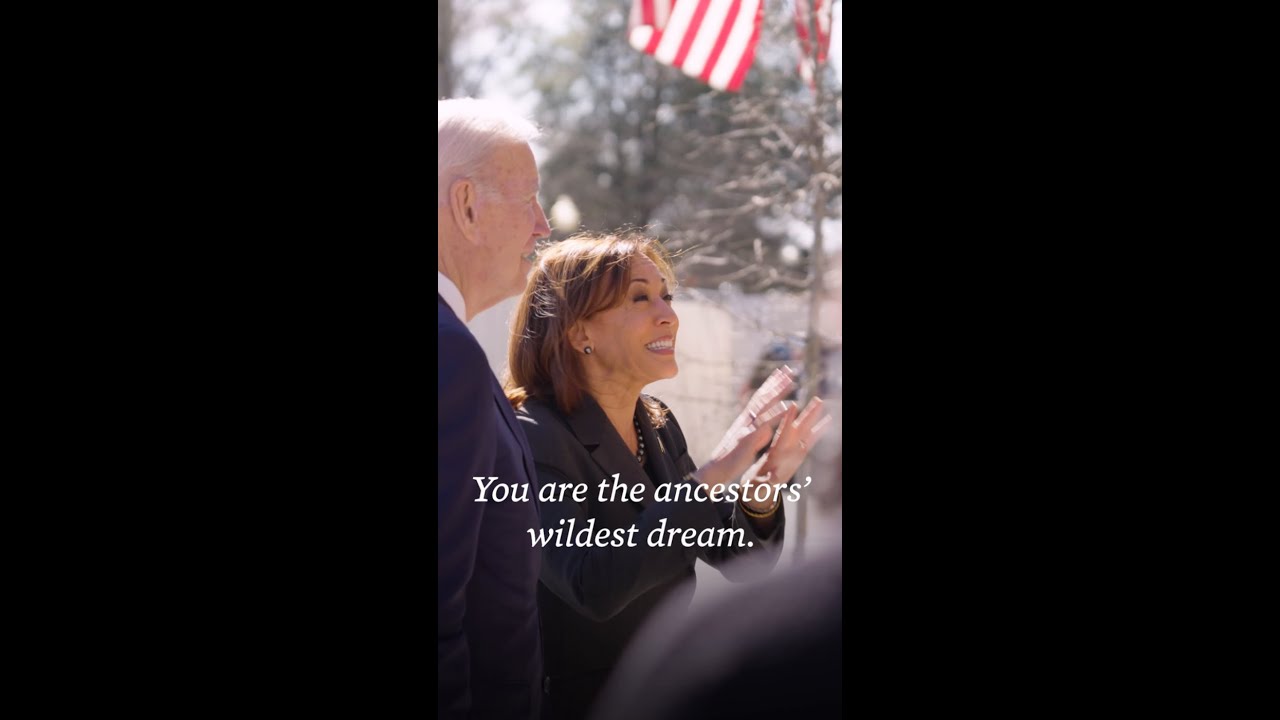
(469, 130)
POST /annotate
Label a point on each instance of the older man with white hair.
(488, 220)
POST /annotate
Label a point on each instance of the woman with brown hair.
(594, 327)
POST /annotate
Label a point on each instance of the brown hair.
(572, 280)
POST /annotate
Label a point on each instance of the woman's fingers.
(777, 385)
(774, 411)
(799, 431)
(785, 426)
(744, 454)
(765, 411)
(811, 424)
(804, 423)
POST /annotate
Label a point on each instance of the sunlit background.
(745, 186)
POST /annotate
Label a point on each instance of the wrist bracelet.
(754, 514)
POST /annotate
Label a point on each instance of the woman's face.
(635, 343)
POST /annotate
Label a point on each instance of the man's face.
(511, 221)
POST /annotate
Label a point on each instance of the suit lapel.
(663, 464)
(508, 415)
(592, 428)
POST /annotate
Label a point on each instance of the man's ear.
(464, 208)
(578, 337)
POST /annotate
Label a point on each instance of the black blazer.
(592, 600)
(488, 648)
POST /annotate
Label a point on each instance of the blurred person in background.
(488, 648)
(767, 650)
(770, 649)
(594, 327)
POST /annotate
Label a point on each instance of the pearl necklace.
(640, 439)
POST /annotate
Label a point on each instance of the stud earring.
(587, 349)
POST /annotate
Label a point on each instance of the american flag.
(712, 40)
(824, 34)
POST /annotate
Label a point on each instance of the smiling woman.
(596, 325)
(607, 297)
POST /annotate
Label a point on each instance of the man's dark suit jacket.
(592, 600)
(489, 651)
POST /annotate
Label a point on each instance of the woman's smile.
(663, 346)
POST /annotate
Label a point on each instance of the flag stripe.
(651, 8)
(663, 12)
(647, 11)
(674, 33)
(651, 19)
(713, 40)
(823, 23)
(696, 23)
(702, 45)
(730, 22)
(740, 73)
(823, 20)
(737, 44)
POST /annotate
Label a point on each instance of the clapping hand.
(763, 407)
(750, 432)
(796, 436)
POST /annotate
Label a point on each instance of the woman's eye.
(640, 298)
(668, 298)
